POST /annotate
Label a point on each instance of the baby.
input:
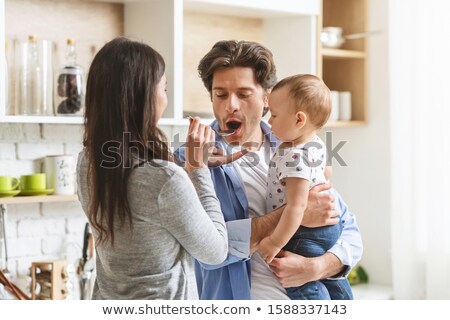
(300, 105)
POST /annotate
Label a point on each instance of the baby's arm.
(296, 193)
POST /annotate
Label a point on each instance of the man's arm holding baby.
(293, 269)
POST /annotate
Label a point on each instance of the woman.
(146, 216)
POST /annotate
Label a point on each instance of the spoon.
(222, 133)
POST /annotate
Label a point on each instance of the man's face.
(238, 103)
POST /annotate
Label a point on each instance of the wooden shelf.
(37, 199)
(346, 124)
(345, 69)
(42, 119)
(328, 53)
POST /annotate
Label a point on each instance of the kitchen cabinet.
(91, 24)
(344, 68)
(184, 30)
(187, 29)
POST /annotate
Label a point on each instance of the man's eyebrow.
(240, 88)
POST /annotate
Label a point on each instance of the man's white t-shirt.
(252, 170)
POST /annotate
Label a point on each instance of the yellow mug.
(8, 183)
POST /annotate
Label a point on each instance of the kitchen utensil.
(5, 274)
(5, 246)
(222, 133)
(86, 266)
(331, 37)
(19, 294)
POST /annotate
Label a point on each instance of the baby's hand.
(268, 249)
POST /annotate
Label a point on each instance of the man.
(239, 76)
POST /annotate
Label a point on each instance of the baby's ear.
(301, 118)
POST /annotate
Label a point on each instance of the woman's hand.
(320, 210)
(199, 144)
(200, 149)
(219, 157)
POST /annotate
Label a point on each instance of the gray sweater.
(174, 220)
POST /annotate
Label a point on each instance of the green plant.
(358, 275)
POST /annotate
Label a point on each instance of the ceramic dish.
(9, 194)
(37, 192)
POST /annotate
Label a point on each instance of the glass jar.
(33, 83)
(29, 79)
(69, 98)
(69, 91)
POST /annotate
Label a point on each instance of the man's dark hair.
(231, 53)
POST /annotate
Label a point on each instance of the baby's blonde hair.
(310, 95)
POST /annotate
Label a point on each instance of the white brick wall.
(24, 211)
(25, 246)
(39, 232)
(7, 151)
(34, 151)
(63, 133)
(16, 168)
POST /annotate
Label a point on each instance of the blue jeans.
(314, 242)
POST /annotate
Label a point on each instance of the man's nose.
(232, 104)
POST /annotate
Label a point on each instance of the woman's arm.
(193, 216)
(196, 222)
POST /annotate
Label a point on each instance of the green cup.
(8, 183)
(35, 181)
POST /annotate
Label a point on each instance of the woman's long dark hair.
(120, 128)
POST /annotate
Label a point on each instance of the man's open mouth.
(233, 124)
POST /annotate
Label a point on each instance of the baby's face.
(283, 116)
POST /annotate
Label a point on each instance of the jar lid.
(77, 70)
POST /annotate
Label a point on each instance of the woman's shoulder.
(155, 172)
(162, 170)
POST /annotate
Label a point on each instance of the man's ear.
(301, 119)
(266, 103)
